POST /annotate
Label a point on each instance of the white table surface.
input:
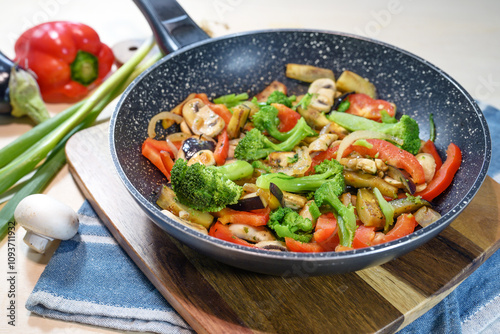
(461, 37)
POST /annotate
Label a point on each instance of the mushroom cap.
(47, 216)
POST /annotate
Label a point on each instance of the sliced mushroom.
(207, 123)
(323, 91)
(191, 109)
(274, 245)
(251, 233)
(204, 157)
(291, 167)
(281, 159)
(322, 142)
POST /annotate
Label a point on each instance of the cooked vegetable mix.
(330, 170)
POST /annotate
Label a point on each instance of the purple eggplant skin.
(5, 67)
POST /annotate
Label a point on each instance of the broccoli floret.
(328, 194)
(328, 169)
(208, 188)
(281, 98)
(255, 145)
(406, 129)
(266, 119)
(288, 223)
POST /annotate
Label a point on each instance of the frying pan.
(248, 62)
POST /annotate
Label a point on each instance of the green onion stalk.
(47, 140)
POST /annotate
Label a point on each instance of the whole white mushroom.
(45, 219)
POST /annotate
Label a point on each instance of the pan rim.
(324, 257)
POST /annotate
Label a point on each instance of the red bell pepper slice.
(303, 247)
(168, 163)
(253, 218)
(363, 237)
(288, 117)
(405, 224)
(444, 176)
(394, 156)
(363, 105)
(159, 145)
(68, 58)
(222, 148)
(325, 233)
(222, 111)
(221, 231)
(326, 227)
(204, 98)
(430, 148)
(159, 153)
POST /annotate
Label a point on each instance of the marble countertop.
(460, 37)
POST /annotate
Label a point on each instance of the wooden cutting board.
(215, 298)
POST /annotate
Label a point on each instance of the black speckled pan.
(248, 62)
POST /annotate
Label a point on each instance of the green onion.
(386, 208)
(28, 160)
(47, 140)
(231, 100)
(432, 129)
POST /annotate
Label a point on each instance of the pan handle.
(171, 25)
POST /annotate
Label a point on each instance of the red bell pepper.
(363, 237)
(159, 153)
(325, 232)
(253, 218)
(222, 148)
(430, 148)
(303, 247)
(405, 224)
(68, 59)
(288, 118)
(444, 176)
(222, 111)
(221, 231)
(394, 156)
(365, 106)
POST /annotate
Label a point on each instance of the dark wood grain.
(216, 298)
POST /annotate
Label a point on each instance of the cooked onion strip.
(363, 134)
(160, 116)
(172, 147)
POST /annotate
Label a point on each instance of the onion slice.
(363, 134)
(160, 116)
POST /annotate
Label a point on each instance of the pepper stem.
(85, 68)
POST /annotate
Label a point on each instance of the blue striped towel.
(91, 280)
